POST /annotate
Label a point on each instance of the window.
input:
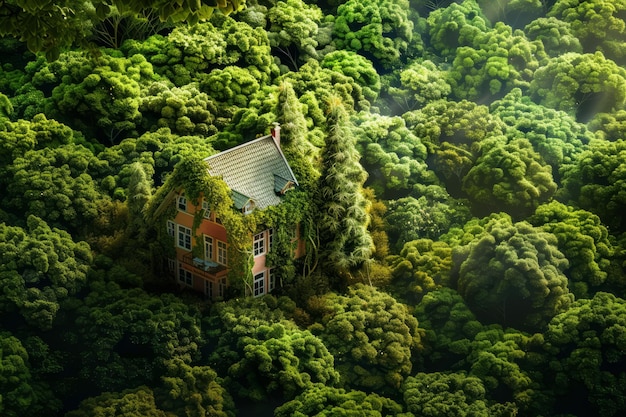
(184, 237)
(171, 227)
(208, 248)
(270, 239)
(208, 288)
(171, 265)
(206, 211)
(182, 203)
(272, 280)
(185, 277)
(258, 244)
(259, 284)
(222, 253)
(221, 287)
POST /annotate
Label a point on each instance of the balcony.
(204, 268)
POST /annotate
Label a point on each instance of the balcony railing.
(203, 267)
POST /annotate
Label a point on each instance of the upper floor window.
(208, 248)
(258, 244)
(206, 211)
(184, 237)
(171, 228)
(182, 203)
(222, 253)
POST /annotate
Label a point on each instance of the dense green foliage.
(462, 183)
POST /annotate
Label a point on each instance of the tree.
(586, 345)
(598, 24)
(22, 393)
(436, 394)
(381, 31)
(128, 403)
(323, 401)
(106, 89)
(510, 177)
(299, 151)
(40, 267)
(185, 110)
(455, 25)
(514, 13)
(555, 35)
(124, 338)
(512, 274)
(262, 353)
(392, 155)
(584, 241)
(372, 336)
(342, 208)
(580, 84)
(294, 30)
(554, 134)
(420, 83)
(361, 69)
(422, 266)
(495, 62)
(428, 213)
(596, 182)
(453, 133)
(69, 23)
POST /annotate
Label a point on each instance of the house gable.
(253, 171)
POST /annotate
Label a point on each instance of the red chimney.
(275, 131)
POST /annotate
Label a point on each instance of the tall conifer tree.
(297, 148)
(343, 217)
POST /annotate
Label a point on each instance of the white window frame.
(208, 288)
(171, 265)
(181, 203)
(258, 244)
(184, 237)
(221, 287)
(185, 277)
(171, 228)
(206, 211)
(270, 238)
(258, 284)
(272, 280)
(208, 248)
(222, 253)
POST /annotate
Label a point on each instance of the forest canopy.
(461, 170)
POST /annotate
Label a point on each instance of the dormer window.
(282, 185)
(182, 203)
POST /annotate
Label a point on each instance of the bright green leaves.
(599, 24)
(381, 31)
(580, 84)
(583, 240)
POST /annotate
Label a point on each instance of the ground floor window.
(171, 265)
(259, 284)
(221, 287)
(272, 280)
(208, 288)
(185, 277)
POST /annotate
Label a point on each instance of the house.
(258, 176)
